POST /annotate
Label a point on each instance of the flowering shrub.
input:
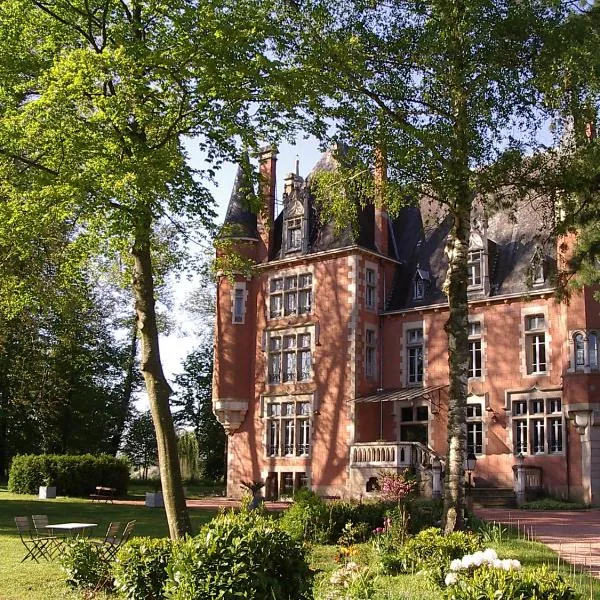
(485, 558)
(489, 582)
(433, 552)
(396, 487)
(351, 582)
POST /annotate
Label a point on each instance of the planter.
(47, 491)
(154, 500)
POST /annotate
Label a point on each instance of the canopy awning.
(403, 394)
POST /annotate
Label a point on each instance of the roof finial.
(297, 166)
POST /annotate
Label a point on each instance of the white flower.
(507, 564)
(490, 554)
(451, 579)
(496, 563)
(478, 559)
(456, 565)
(515, 564)
(467, 561)
(335, 578)
(352, 566)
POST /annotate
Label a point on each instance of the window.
(535, 344)
(294, 235)
(475, 356)
(288, 427)
(593, 350)
(370, 353)
(290, 295)
(414, 424)
(579, 350)
(538, 426)
(418, 289)
(474, 428)
(584, 351)
(414, 345)
(239, 304)
(370, 288)
(474, 268)
(289, 358)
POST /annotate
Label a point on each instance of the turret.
(233, 380)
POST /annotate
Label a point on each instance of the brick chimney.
(381, 216)
(267, 186)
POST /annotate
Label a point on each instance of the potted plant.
(155, 499)
(48, 490)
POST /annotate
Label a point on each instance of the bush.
(307, 519)
(73, 475)
(239, 555)
(140, 568)
(488, 583)
(424, 513)
(85, 569)
(431, 551)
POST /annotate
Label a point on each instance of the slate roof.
(240, 221)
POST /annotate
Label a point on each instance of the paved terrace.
(573, 535)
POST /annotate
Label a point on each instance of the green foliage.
(307, 518)
(188, 452)
(431, 551)
(245, 555)
(194, 401)
(83, 565)
(553, 504)
(488, 583)
(354, 533)
(74, 475)
(140, 568)
(424, 513)
(140, 442)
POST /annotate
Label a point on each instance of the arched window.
(579, 351)
(593, 349)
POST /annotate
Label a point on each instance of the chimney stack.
(268, 183)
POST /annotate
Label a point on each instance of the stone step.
(490, 497)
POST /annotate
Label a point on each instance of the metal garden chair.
(54, 542)
(114, 539)
(36, 546)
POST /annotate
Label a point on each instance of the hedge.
(73, 475)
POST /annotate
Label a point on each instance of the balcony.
(389, 455)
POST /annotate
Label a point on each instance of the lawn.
(31, 581)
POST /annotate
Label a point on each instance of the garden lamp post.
(470, 467)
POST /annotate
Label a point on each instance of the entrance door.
(413, 424)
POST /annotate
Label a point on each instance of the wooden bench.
(104, 494)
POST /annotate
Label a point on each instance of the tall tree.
(440, 91)
(194, 399)
(95, 140)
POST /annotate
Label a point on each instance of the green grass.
(137, 489)
(32, 581)
(553, 504)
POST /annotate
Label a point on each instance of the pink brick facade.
(309, 348)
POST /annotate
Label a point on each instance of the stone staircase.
(492, 497)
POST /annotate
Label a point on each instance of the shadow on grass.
(150, 521)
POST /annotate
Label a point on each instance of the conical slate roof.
(240, 221)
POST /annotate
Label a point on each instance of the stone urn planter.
(47, 492)
(154, 500)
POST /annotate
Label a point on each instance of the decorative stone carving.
(230, 412)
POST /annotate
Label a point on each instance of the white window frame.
(415, 341)
(536, 343)
(293, 224)
(534, 416)
(283, 346)
(370, 287)
(475, 336)
(287, 425)
(474, 417)
(238, 303)
(475, 269)
(287, 294)
(370, 353)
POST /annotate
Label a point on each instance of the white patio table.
(71, 529)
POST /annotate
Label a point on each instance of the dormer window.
(475, 269)
(536, 268)
(419, 284)
(294, 235)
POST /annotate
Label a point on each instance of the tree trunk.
(125, 403)
(157, 386)
(460, 201)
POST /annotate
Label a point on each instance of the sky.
(175, 347)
